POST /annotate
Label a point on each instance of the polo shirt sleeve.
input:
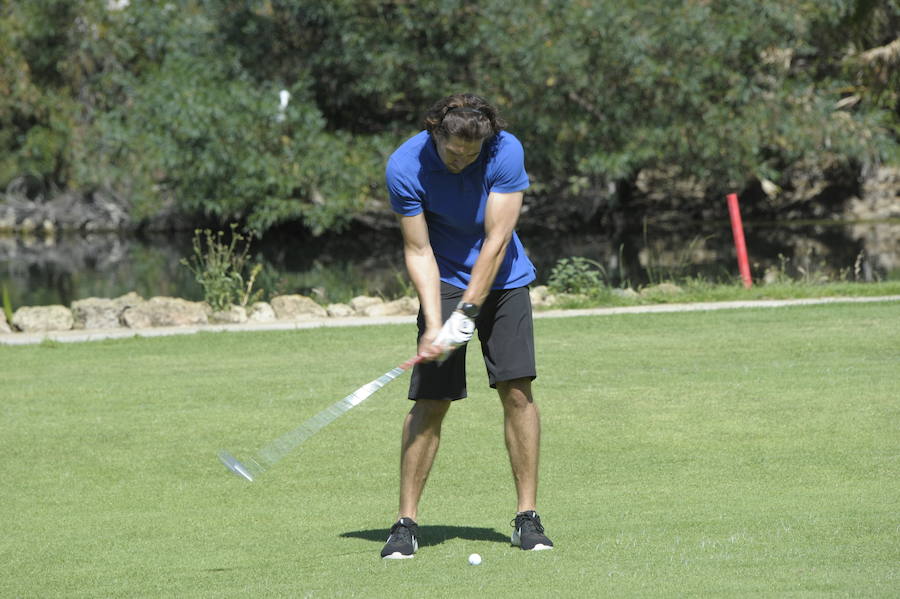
(405, 199)
(508, 168)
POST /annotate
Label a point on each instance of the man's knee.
(430, 411)
(515, 392)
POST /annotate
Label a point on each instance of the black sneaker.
(402, 542)
(528, 533)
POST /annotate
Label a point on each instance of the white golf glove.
(457, 330)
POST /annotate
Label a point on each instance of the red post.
(737, 228)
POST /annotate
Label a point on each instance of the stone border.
(119, 333)
(132, 313)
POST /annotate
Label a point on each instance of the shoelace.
(398, 525)
(527, 517)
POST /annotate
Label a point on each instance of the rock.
(261, 312)
(880, 242)
(774, 275)
(361, 302)
(137, 318)
(39, 319)
(297, 307)
(7, 219)
(539, 292)
(405, 306)
(99, 210)
(4, 326)
(541, 296)
(102, 313)
(95, 313)
(27, 226)
(165, 312)
(339, 310)
(233, 315)
(129, 299)
(628, 293)
(880, 197)
(661, 289)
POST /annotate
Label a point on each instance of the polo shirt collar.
(431, 160)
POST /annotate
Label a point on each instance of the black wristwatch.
(470, 310)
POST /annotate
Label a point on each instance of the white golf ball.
(474, 559)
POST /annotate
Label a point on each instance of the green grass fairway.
(732, 453)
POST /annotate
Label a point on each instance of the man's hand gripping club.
(457, 330)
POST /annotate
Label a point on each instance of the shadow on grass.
(434, 535)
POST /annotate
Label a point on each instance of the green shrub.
(576, 275)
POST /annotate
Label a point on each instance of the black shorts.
(506, 332)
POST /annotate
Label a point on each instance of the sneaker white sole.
(398, 555)
(516, 541)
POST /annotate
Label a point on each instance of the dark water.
(39, 271)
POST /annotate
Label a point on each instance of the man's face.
(456, 152)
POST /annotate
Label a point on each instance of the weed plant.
(220, 268)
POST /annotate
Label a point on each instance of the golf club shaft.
(274, 451)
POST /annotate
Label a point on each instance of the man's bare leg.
(421, 437)
(522, 425)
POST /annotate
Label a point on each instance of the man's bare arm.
(423, 271)
(501, 215)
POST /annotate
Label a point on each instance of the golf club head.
(236, 467)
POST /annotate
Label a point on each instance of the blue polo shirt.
(454, 203)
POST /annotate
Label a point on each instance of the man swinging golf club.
(457, 188)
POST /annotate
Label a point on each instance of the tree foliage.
(177, 102)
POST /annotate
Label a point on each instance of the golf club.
(270, 454)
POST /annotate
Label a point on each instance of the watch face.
(470, 310)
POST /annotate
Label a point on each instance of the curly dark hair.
(466, 116)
